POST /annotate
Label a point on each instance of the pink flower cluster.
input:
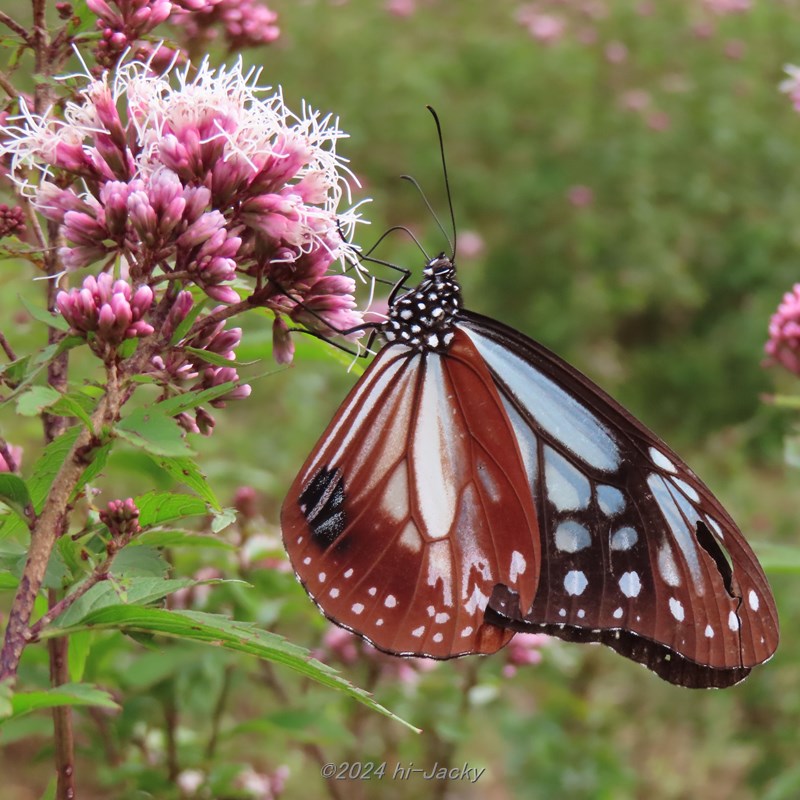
(244, 23)
(783, 346)
(107, 308)
(122, 518)
(12, 220)
(204, 183)
(123, 23)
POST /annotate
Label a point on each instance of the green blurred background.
(626, 193)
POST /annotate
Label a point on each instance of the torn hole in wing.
(718, 554)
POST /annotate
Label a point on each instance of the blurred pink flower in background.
(722, 7)
(659, 121)
(791, 85)
(580, 196)
(783, 346)
(635, 100)
(524, 649)
(541, 25)
(616, 52)
(735, 49)
(470, 244)
(401, 8)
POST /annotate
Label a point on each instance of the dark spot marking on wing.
(322, 505)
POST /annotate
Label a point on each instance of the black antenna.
(446, 179)
(415, 183)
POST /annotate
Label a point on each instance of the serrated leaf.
(137, 591)
(75, 404)
(178, 538)
(68, 694)
(43, 315)
(219, 631)
(186, 471)
(14, 493)
(142, 562)
(156, 508)
(153, 431)
(36, 400)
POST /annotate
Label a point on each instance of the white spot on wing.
(348, 573)
(752, 599)
(617, 613)
(661, 461)
(676, 609)
(567, 488)
(418, 631)
(688, 490)
(517, 566)
(624, 539)
(733, 621)
(466, 632)
(322, 577)
(372, 591)
(394, 502)
(476, 601)
(666, 566)
(487, 480)
(575, 582)
(307, 560)
(629, 584)
(709, 632)
(610, 499)
(571, 537)
(410, 538)
(334, 593)
(357, 608)
(437, 637)
(440, 568)
(390, 601)
(442, 617)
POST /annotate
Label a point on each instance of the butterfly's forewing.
(414, 505)
(636, 551)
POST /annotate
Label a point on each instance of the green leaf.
(191, 400)
(50, 791)
(6, 694)
(36, 399)
(75, 404)
(140, 562)
(179, 538)
(99, 458)
(14, 493)
(153, 431)
(156, 508)
(219, 631)
(68, 694)
(216, 359)
(8, 581)
(137, 591)
(186, 471)
(778, 557)
(43, 315)
(79, 646)
(48, 464)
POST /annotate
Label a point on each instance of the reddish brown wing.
(637, 553)
(414, 505)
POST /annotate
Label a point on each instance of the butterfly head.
(423, 318)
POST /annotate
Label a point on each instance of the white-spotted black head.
(423, 318)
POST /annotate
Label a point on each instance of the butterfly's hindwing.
(397, 524)
(633, 544)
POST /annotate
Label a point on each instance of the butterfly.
(473, 485)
